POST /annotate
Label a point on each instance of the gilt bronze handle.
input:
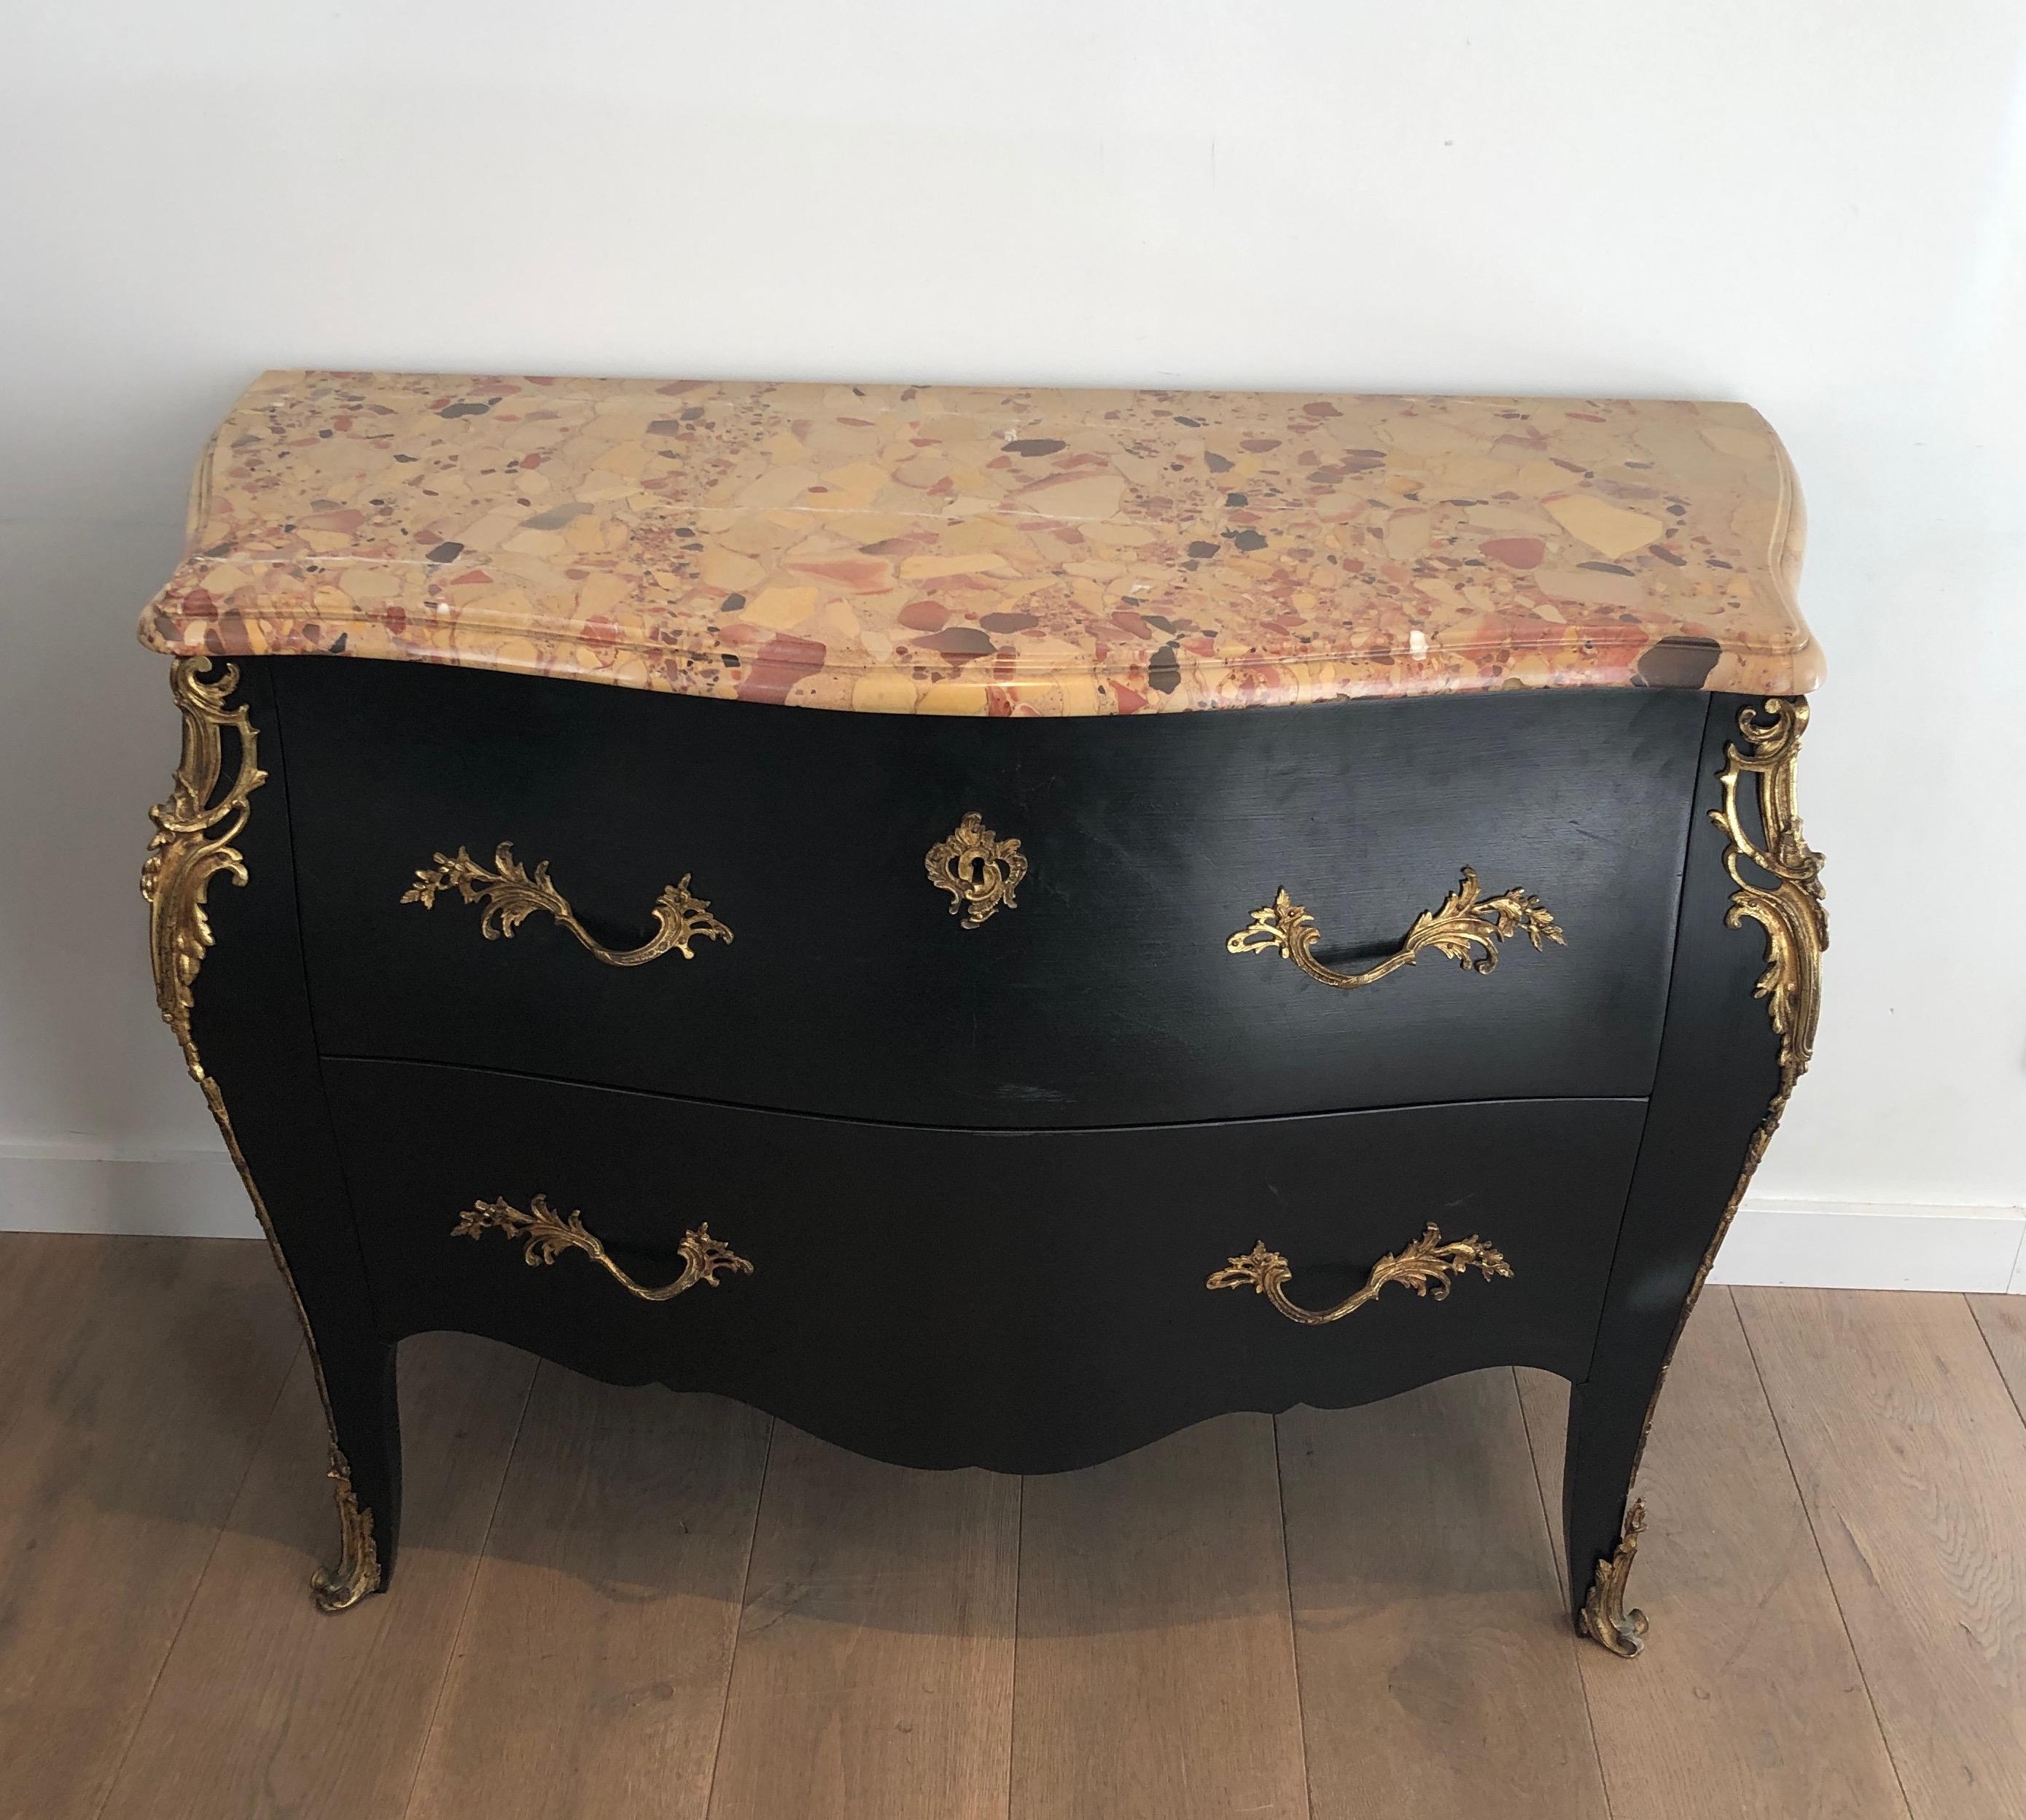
(1428, 1263)
(511, 896)
(549, 1234)
(1467, 919)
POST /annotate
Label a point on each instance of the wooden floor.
(624, 1603)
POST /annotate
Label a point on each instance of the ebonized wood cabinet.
(974, 1239)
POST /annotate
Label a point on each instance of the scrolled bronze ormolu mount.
(195, 827)
(1427, 1266)
(357, 1571)
(1789, 908)
(511, 896)
(982, 1176)
(980, 871)
(1603, 1618)
(1467, 920)
(549, 1234)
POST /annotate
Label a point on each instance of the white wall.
(1819, 208)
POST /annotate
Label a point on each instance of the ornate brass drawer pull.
(1465, 920)
(550, 1234)
(1429, 1262)
(980, 871)
(511, 897)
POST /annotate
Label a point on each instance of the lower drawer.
(1028, 1301)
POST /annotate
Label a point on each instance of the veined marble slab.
(942, 550)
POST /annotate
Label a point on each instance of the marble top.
(945, 549)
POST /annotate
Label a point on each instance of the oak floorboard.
(268, 1707)
(2002, 1320)
(140, 1374)
(1154, 1676)
(873, 1673)
(589, 1678)
(1747, 1701)
(1911, 1455)
(1438, 1675)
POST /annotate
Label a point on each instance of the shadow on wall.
(88, 740)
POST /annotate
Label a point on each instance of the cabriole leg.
(1740, 1027)
(1602, 1520)
(365, 1479)
(247, 1040)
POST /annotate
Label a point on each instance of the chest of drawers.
(1291, 898)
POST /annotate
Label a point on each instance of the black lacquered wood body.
(982, 1173)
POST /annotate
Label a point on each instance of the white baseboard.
(1890, 1245)
(61, 1187)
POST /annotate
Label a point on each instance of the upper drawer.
(1107, 992)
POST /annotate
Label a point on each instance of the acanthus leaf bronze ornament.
(511, 895)
(1604, 1619)
(1428, 1265)
(195, 828)
(1790, 908)
(192, 843)
(1467, 920)
(548, 1234)
(357, 1573)
(980, 871)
